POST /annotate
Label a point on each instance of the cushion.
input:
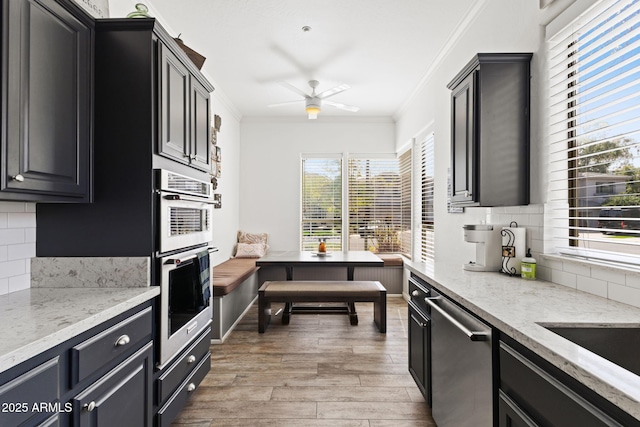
(231, 273)
(244, 237)
(391, 260)
(250, 250)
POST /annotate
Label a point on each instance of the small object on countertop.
(514, 240)
(528, 266)
(142, 11)
(322, 247)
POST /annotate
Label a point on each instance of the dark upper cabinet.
(490, 131)
(463, 141)
(200, 126)
(47, 107)
(185, 117)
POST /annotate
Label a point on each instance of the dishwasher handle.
(473, 335)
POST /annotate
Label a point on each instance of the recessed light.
(306, 28)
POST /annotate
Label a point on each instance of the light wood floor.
(317, 371)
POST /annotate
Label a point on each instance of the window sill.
(612, 264)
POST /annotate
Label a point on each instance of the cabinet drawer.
(542, 398)
(418, 292)
(175, 404)
(120, 339)
(17, 397)
(183, 367)
(53, 421)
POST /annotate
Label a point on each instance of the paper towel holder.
(509, 262)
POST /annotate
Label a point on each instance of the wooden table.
(292, 259)
(349, 259)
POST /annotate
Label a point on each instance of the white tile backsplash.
(17, 245)
(605, 281)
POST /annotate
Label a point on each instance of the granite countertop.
(518, 307)
(37, 319)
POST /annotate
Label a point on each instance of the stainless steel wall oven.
(185, 211)
(184, 233)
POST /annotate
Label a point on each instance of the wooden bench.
(349, 292)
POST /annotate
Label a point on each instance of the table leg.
(353, 316)
(286, 313)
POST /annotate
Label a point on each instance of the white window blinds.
(427, 222)
(594, 150)
(379, 193)
(321, 203)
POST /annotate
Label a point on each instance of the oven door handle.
(178, 261)
(184, 197)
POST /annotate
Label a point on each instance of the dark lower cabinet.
(419, 345)
(36, 386)
(179, 380)
(420, 336)
(122, 397)
(117, 390)
(533, 392)
(510, 414)
(47, 107)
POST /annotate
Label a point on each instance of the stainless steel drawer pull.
(191, 359)
(473, 335)
(18, 178)
(415, 293)
(191, 387)
(89, 406)
(123, 340)
(421, 324)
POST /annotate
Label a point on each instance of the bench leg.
(286, 313)
(264, 312)
(353, 315)
(380, 312)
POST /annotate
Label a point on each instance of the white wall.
(270, 152)
(498, 26)
(504, 26)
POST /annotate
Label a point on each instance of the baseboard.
(224, 337)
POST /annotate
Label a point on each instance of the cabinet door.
(200, 127)
(49, 106)
(419, 350)
(174, 106)
(463, 141)
(121, 398)
(510, 414)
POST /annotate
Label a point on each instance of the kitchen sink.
(620, 345)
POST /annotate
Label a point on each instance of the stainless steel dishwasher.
(461, 368)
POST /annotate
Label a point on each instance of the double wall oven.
(185, 208)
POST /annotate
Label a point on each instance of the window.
(321, 203)
(379, 192)
(427, 222)
(595, 131)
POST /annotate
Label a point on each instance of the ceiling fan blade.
(280, 104)
(330, 92)
(294, 89)
(342, 106)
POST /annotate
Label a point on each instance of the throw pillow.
(251, 250)
(244, 237)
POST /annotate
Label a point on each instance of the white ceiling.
(381, 48)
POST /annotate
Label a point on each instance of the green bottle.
(528, 266)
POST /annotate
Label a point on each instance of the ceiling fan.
(314, 101)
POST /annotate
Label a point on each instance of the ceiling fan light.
(312, 110)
